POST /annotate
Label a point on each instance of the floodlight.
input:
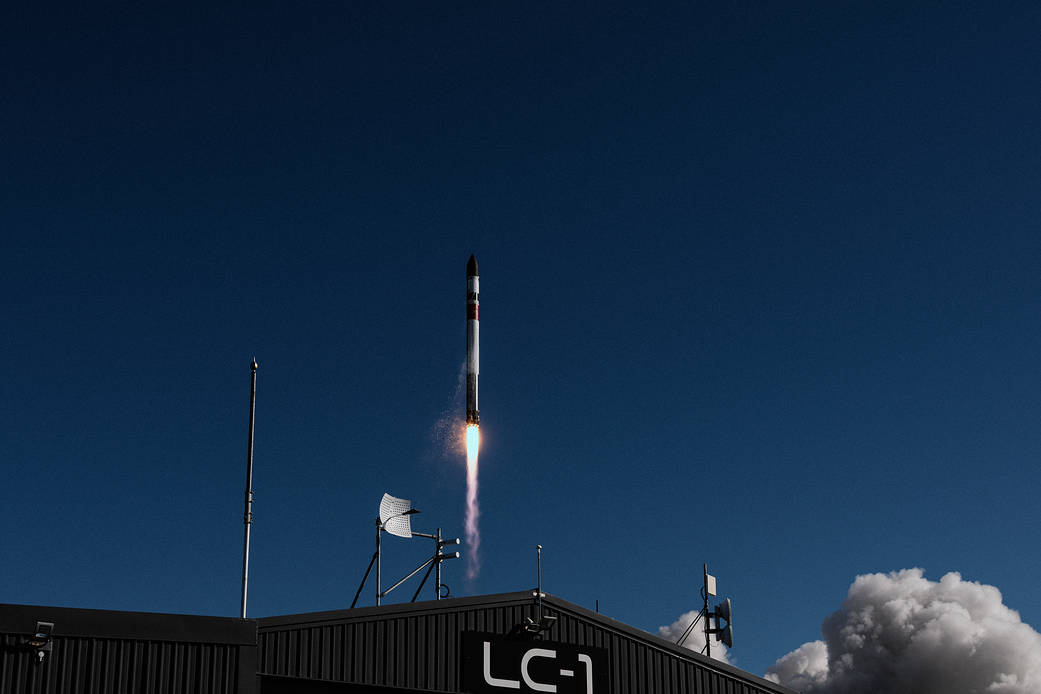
(394, 516)
(43, 634)
(41, 640)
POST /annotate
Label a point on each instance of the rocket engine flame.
(473, 511)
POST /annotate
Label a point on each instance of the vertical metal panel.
(86, 665)
(420, 649)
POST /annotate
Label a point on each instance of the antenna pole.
(363, 579)
(247, 517)
(538, 549)
(379, 559)
(437, 567)
(708, 629)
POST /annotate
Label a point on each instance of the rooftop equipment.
(722, 612)
(394, 518)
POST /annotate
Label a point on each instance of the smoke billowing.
(696, 640)
(900, 633)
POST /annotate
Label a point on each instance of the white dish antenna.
(395, 514)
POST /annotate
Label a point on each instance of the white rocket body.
(473, 341)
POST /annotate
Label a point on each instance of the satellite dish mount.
(394, 518)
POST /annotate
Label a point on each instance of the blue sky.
(760, 289)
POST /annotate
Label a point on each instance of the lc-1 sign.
(493, 664)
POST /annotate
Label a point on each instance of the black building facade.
(104, 651)
(479, 645)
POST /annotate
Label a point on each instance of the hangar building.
(478, 645)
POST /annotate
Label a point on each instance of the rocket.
(473, 341)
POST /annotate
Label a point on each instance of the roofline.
(135, 626)
(373, 612)
(668, 645)
(523, 597)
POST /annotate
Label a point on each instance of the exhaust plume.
(473, 415)
(900, 632)
(473, 511)
(453, 440)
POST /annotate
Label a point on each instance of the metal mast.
(708, 626)
(247, 517)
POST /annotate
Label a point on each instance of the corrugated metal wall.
(90, 665)
(96, 651)
(421, 650)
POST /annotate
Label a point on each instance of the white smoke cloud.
(900, 633)
(696, 640)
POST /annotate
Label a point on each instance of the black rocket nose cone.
(471, 267)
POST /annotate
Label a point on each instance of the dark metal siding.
(420, 650)
(91, 665)
(95, 651)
